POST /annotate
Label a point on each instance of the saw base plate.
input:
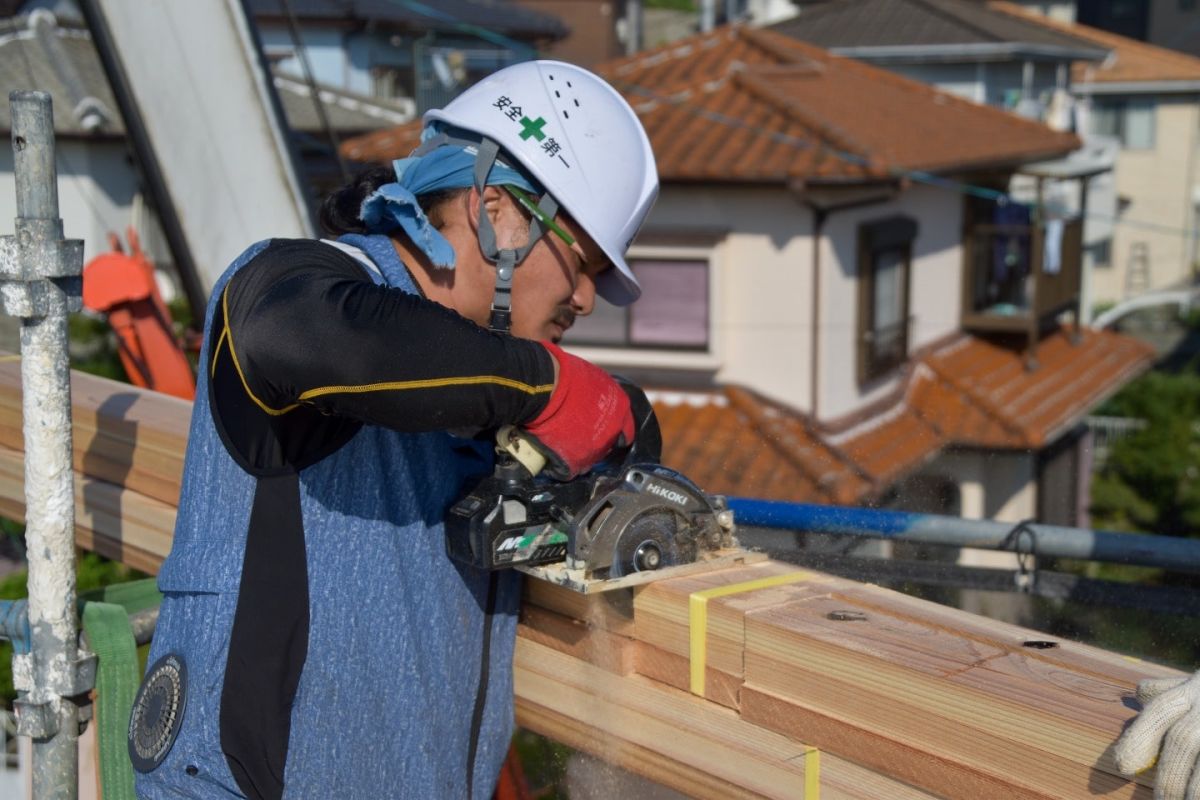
(575, 579)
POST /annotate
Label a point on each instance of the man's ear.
(493, 201)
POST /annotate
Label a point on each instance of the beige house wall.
(992, 484)
(935, 291)
(1160, 185)
(760, 288)
(761, 297)
(1061, 10)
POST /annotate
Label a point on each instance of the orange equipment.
(512, 784)
(121, 286)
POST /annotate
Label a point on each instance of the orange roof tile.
(1032, 407)
(737, 443)
(968, 392)
(1131, 61)
(748, 105)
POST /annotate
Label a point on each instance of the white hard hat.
(583, 143)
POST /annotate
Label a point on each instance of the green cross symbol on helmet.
(601, 169)
(533, 127)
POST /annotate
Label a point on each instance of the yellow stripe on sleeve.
(385, 386)
(428, 383)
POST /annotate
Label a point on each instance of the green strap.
(106, 622)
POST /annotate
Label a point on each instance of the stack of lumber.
(128, 459)
(752, 681)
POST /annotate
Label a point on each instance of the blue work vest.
(388, 691)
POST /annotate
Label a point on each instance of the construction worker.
(314, 639)
(1166, 732)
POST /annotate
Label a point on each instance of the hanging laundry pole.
(40, 283)
(1030, 538)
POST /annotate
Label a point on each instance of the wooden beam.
(903, 698)
(122, 434)
(109, 519)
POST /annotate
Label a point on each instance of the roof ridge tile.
(948, 13)
(878, 74)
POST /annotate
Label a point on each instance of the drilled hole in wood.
(847, 616)
(1039, 644)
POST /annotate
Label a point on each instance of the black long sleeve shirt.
(304, 348)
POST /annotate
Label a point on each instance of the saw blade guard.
(649, 517)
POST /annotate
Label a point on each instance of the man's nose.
(583, 299)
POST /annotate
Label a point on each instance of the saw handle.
(509, 440)
(646, 446)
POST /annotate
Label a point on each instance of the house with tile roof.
(961, 46)
(973, 50)
(1148, 97)
(424, 53)
(99, 188)
(827, 314)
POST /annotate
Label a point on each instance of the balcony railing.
(1013, 282)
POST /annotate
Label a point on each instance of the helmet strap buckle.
(506, 260)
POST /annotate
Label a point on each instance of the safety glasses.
(533, 208)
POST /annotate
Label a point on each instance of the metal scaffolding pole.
(40, 282)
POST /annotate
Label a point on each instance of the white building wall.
(1061, 10)
(326, 56)
(761, 289)
(991, 83)
(97, 190)
(935, 291)
(999, 485)
(1158, 186)
(968, 81)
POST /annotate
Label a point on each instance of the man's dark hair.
(340, 209)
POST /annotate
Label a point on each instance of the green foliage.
(1150, 481)
(672, 5)
(94, 347)
(544, 762)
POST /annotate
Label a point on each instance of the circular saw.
(629, 520)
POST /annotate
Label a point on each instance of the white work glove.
(1170, 720)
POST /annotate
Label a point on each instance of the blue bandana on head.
(451, 166)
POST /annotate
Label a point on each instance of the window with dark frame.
(1131, 119)
(672, 314)
(884, 263)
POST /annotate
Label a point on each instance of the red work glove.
(587, 416)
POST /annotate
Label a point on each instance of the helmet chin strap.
(505, 260)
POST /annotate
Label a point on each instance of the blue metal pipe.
(1057, 541)
(14, 624)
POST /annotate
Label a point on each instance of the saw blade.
(650, 542)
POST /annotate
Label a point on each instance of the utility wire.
(465, 27)
(306, 68)
(917, 176)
